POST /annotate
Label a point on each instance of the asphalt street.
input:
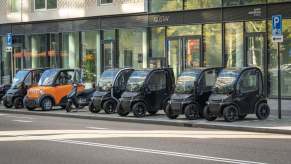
(26, 139)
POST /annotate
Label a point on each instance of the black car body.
(147, 90)
(193, 88)
(109, 89)
(3, 89)
(23, 80)
(237, 93)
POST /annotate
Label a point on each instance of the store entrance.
(255, 49)
(184, 53)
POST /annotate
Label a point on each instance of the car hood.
(180, 96)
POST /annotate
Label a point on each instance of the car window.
(208, 80)
(36, 76)
(121, 81)
(65, 78)
(28, 79)
(157, 81)
(248, 82)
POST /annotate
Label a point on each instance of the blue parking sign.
(9, 40)
(277, 28)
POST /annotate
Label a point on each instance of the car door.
(208, 79)
(157, 89)
(63, 85)
(248, 90)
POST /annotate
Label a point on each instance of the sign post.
(9, 42)
(277, 37)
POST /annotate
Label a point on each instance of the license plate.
(82, 100)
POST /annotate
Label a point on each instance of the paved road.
(26, 139)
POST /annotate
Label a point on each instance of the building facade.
(99, 34)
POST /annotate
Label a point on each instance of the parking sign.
(277, 28)
(9, 40)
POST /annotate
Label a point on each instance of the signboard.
(8, 49)
(277, 29)
(9, 40)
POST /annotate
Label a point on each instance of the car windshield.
(19, 77)
(106, 81)
(225, 82)
(136, 80)
(47, 78)
(185, 82)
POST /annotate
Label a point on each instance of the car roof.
(241, 69)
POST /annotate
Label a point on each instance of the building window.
(200, 4)
(242, 2)
(276, 1)
(234, 44)
(45, 4)
(213, 44)
(15, 5)
(103, 2)
(165, 5)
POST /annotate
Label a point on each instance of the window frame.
(104, 4)
(45, 8)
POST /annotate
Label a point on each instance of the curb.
(156, 122)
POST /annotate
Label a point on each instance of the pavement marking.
(159, 152)
(3, 114)
(96, 128)
(22, 121)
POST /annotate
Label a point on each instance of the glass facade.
(165, 5)
(201, 4)
(212, 34)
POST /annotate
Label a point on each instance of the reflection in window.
(285, 52)
(15, 5)
(70, 53)
(274, 1)
(184, 30)
(213, 44)
(158, 42)
(54, 51)
(242, 2)
(200, 4)
(165, 5)
(234, 44)
(5, 62)
(38, 51)
(255, 26)
(132, 48)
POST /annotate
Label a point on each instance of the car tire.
(230, 113)
(263, 111)
(139, 109)
(30, 108)
(207, 115)
(242, 117)
(18, 103)
(169, 113)
(110, 107)
(68, 107)
(47, 104)
(93, 109)
(6, 104)
(192, 112)
(121, 111)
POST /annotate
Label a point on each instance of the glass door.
(108, 54)
(184, 53)
(255, 50)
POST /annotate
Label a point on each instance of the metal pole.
(279, 83)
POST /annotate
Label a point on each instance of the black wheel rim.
(140, 111)
(264, 111)
(18, 103)
(231, 114)
(110, 108)
(47, 104)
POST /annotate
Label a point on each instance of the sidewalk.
(272, 125)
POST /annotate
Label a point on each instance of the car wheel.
(192, 112)
(230, 113)
(207, 114)
(93, 109)
(7, 104)
(68, 107)
(18, 102)
(241, 117)
(46, 104)
(169, 112)
(110, 107)
(139, 109)
(263, 111)
(121, 111)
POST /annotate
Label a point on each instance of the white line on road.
(159, 152)
(96, 128)
(21, 117)
(22, 121)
